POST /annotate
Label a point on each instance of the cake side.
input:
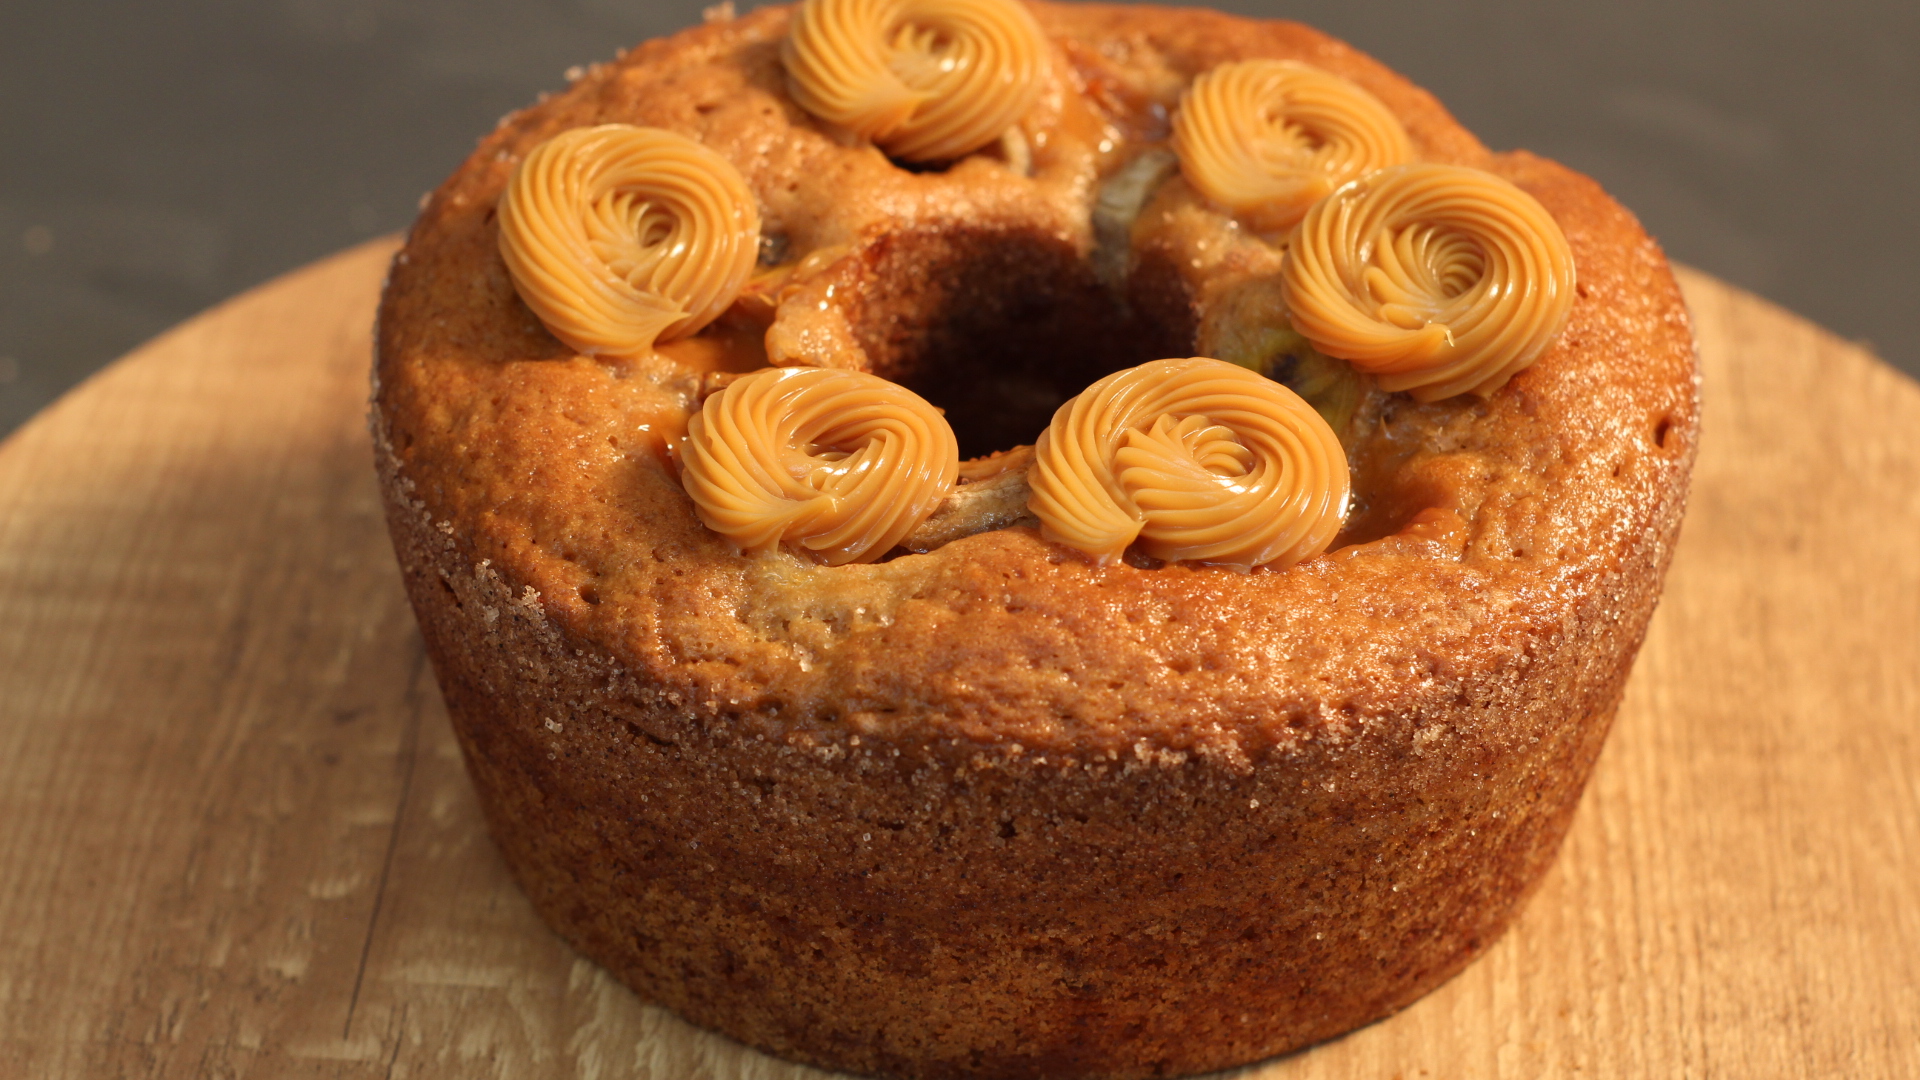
(954, 908)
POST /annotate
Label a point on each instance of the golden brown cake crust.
(992, 810)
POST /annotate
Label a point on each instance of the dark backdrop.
(156, 158)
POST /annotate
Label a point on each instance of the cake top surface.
(1481, 529)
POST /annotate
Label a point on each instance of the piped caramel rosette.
(839, 463)
(619, 237)
(1196, 460)
(1269, 138)
(1436, 279)
(925, 80)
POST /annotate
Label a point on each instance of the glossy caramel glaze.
(1269, 138)
(620, 236)
(1437, 280)
(1198, 460)
(926, 80)
(837, 463)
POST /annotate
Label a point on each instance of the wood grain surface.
(236, 839)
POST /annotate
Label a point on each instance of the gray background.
(156, 158)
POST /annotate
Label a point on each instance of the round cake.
(992, 774)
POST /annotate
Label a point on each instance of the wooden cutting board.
(236, 839)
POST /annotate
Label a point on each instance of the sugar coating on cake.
(989, 807)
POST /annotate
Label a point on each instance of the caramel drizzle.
(1436, 279)
(1196, 459)
(926, 80)
(841, 463)
(1269, 138)
(618, 237)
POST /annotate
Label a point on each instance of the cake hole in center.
(997, 328)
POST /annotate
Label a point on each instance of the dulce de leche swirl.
(1435, 279)
(926, 80)
(620, 236)
(1197, 459)
(1269, 138)
(841, 463)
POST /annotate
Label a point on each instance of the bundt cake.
(973, 538)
